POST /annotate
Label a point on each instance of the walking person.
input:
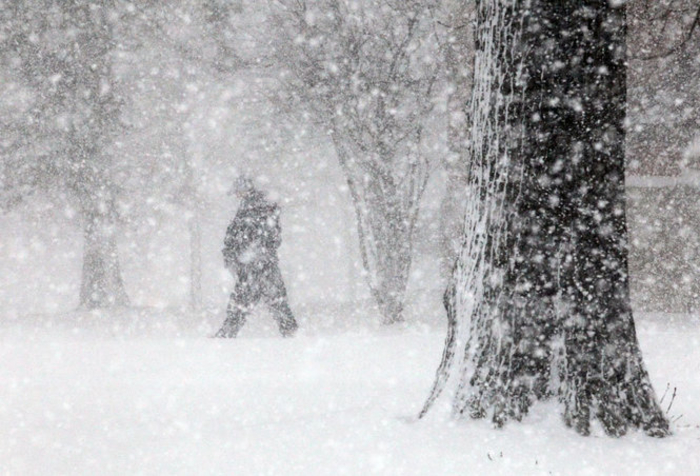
(250, 254)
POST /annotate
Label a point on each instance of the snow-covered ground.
(138, 392)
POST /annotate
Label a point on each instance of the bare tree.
(540, 295)
(64, 132)
(365, 73)
(61, 55)
(663, 27)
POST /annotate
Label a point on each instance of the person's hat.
(242, 184)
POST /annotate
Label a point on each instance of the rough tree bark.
(540, 290)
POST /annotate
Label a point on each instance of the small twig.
(673, 397)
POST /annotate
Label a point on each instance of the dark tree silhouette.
(540, 289)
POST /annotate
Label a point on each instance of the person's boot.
(289, 328)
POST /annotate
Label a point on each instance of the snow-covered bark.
(473, 300)
(539, 302)
(386, 218)
(459, 59)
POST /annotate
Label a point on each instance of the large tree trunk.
(102, 284)
(541, 283)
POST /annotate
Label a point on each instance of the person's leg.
(240, 303)
(235, 318)
(275, 295)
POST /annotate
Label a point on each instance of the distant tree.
(82, 83)
(540, 288)
(365, 74)
(195, 45)
(61, 128)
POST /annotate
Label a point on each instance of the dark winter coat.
(254, 235)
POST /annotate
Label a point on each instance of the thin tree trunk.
(385, 232)
(385, 242)
(102, 284)
(195, 231)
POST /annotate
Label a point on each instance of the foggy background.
(192, 122)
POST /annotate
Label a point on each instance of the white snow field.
(138, 392)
